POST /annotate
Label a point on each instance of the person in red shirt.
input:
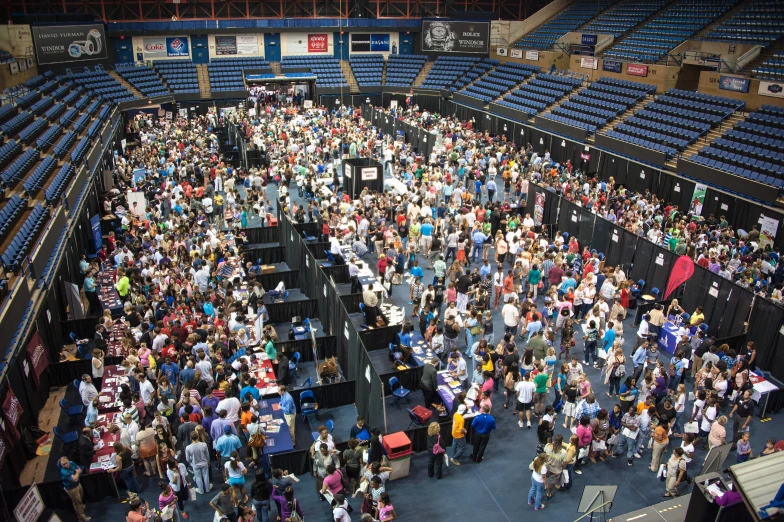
(168, 350)
(189, 324)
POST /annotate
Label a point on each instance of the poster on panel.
(69, 43)
(455, 37)
(307, 43)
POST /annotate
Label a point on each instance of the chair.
(398, 392)
(308, 383)
(73, 412)
(77, 383)
(330, 426)
(330, 258)
(307, 404)
(294, 364)
(67, 438)
(305, 322)
(414, 419)
(655, 292)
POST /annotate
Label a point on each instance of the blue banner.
(589, 39)
(730, 83)
(95, 225)
(612, 66)
(379, 43)
(177, 46)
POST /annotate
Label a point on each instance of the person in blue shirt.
(289, 410)
(416, 270)
(609, 337)
(485, 269)
(479, 239)
(482, 425)
(250, 388)
(170, 370)
(70, 473)
(227, 443)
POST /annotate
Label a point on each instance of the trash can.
(398, 447)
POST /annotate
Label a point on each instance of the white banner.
(247, 44)
(502, 51)
(154, 48)
(532, 55)
(589, 63)
(307, 43)
(516, 53)
(369, 173)
(307, 104)
(775, 89)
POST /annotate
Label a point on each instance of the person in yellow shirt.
(458, 435)
(123, 284)
(697, 318)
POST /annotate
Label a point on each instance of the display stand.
(597, 499)
(714, 461)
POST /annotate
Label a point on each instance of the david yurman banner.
(69, 43)
(455, 37)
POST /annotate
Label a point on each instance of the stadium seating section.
(98, 81)
(654, 39)
(577, 14)
(143, 78)
(446, 70)
(538, 93)
(499, 80)
(368, 69)
(760, 22)
(179, 76)
(402, 70)
(326, 69)
(772, 68)
(622, 17)
(675, 120)
(753, 149)
(228, 74)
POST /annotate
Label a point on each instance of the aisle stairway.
(765, 54)
(275, 66)
(125, 84)
(204, 80)
(349, 74)
(423, 74)
(712, 135)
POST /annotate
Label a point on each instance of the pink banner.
(39, 360)
(636, 69)
(682, 270)
(12, 411)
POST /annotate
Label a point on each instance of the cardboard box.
(267, 269)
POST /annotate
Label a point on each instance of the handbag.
(583, 452)
(295, 517)
(437, 448)
(565, 475)
(691, 427)
(613, 439)
(629, 434)
(598, 445)
(167, 513)
(257, 440)
(192, 494)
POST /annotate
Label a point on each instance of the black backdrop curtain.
(325, 346)
(629, 242)
(600, 241)
(764, 330)
(696, 288)
(379, 338)
(347, 345)
(269, 281)
(283, 312)
(551, 208)
(612, 254)
(569, 219)
(268, 255)
(736, 303)
(318, 249)
(585, 225)
(259, 235)
(338, 273)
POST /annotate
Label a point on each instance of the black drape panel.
(325, 346)
(363, 368)
(318, 249)
(379, 338)
(338, 273)
(267, 255)
(600, 241)
(347, 342)
(696, 288)
(659, 268)
(551, 208)
(307, 229)
(764, 330)
(324, 294)
(257, 235)
(628, 247)
(269, 281)
(639, 177)
(585, 226)
(283, 312)
(330, 395)
(737, 304)
(614, 249)
(569, 219)
(351, 303)
(643, 258)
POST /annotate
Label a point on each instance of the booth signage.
(775, 89)
(12, 411)
(589, 39)
(307, 104)
(731, 83)
(589, 63)
(177, 46)
(455, 37)
(636, 69)
(14, 67)
(69, 43)
(532, 55)
(39, 360)
(31, 507)
(585, 156)
(517, 53)
(22, 65)
(369, 173)
(612, 66)
(225, 45)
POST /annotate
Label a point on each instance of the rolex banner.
(39, 360)
(455, 37)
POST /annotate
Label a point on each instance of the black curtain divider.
(296, 462)
(351, 303)
(363, 368)
(696, 288)
(258, 235)
(600, 240)
(265, 255)
(643, 258)
(348, 347)
(585, 225)
(318, 249)
(309, 274)
(283, 312)
(765, 326)
(569, 219)
(338, 273)
(269, 281)
(552, 205)
(409, 379)
(64, 373)
(327, 298)
(83, 328)
(325, 346)
(628, 247)
(329, 395)
(307, 229)
(380, 338)
(659, 266)
(614, 249)
(735, 307)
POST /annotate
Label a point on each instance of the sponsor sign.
(364, 42)
(14, 67)
(379, 43)
(247, 44)
(69, 43)
(516, 53)
(39, 360)
(22, 65)
(307, 104)
(502, 51)
(317, 43)
(585, 156)
(532, 56)
(177, 46)
(31, 507)
(12, 411)
(731, 83)
(589, 63)
(369, 173)
(612, 66)
(589, 39)
(304, 43)
(775, 89)
(455, 37)
(360, 43)
(636, 69)
(154, 48)
(225, 45)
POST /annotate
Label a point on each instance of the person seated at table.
(674, 309)
(697, 318)
(360, 431)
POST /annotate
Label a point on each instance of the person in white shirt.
(511, 316)
(643, 331)
(232, 407)
(525, 398)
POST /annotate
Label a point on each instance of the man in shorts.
(540, 391)
(525, 398)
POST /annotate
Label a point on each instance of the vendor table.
(274, 424)
(261, 367)
(448, 388)
(668, 336)
(107, 294)
(109, 394)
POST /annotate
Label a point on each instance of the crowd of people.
(520, 318)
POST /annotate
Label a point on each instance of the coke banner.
(682, 270)
(12, 411)
(39, 360)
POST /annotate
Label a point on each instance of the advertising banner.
(455, 37)
(698, 199)
(516, 53)
(36, 352)
(612, 66)
(369, 173)
(31, 507)
(225, 45)
(682, 270)
(731, 83)
(22, 65)
(95, 222)
(589, 39)
(3, 446)
(154, 48)
(502, 51)
(360, 43)
(775, 89)
(532, 55)
(589, 62)
(14, 67)
(379, 43)
(636, 69)
(12, 411)
(302, 43)
(247, 44)
(539, 199)
(768, 228)
(177, 46)
(69, 43)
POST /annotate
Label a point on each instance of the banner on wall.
(636, 69)
(95, 221)
(455, 37)
(177, 46)
(22, 65)
(517, 53)
(360, 43)
(247, 44)
(539, 200)
(502, 51)
(379, 43)
(682, 270)
(302, 43)
(612, 66)
(589, 62)
(775, 89)
(589, 39)
(12, 412)
(154, 48)
(225, 45)
(768, 229)
(698, 199)
(14, 67)
(731, 83)
(36, 352)
(532, 55)
(3, 446)
(69, 43)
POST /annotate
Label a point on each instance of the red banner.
(12, 411)
(682, 270)
(39, 360)
(317, 43)
(636, 69)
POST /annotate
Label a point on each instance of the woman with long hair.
(178, 480)
(538, 476)
(556, 463)
(235, 474)
(436, 451)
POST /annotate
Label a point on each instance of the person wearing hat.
(458, 435)
(227, 443)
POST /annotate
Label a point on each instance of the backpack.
(619, 370)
